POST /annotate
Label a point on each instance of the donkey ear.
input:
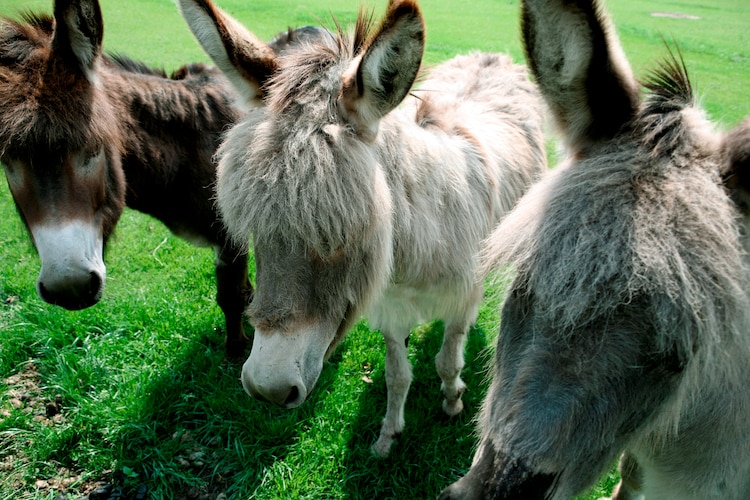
(79, 30)
(579, 65)
(383, 73)
(247, 61)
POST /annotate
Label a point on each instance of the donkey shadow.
(195, 444)
(192, 446)
(416, 467)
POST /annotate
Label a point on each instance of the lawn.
(135, 390)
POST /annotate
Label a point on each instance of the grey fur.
(626, 326)
(352, 214)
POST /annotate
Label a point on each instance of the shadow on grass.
(434, 449)
(163, 408)
(197, 434)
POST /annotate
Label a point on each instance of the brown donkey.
(626, 328)
(82, 135)
(356, 206)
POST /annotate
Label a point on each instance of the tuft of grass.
(144, 393)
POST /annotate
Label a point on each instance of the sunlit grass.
(146, 396)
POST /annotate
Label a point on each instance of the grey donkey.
(357, 205)
(625, 330)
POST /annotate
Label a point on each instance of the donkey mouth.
(285, 392)
(73, 296)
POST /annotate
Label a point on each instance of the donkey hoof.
(382, 447)
(453, 408)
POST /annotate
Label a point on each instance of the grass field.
(135, 389)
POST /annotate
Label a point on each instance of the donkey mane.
(43, 22)
(34, 29)
(670, 92)
(316, 58)
(35, 116)
(125, 63)
(669, 82)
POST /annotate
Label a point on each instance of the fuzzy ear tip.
(401, 8)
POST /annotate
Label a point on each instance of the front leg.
(233, 294)
(397, 381)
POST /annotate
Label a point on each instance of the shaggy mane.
(42, 22)
(125, 63)
(669, 84)
(303, 94)
(15, 37)
(303, 65)
(670, 92)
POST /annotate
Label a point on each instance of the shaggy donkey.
(82, 134)
(355, 206)
(626, 326)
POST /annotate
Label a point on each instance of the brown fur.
(83, 134)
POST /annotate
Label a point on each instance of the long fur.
(158, 135)
(626, 325)
(352, 214)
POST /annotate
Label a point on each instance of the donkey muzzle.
(283, 391)
(73, 271)
(496, 475)
(72, 292)
(283, 367)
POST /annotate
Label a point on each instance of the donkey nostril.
(292, 397)
(43, 293)
(95, 284)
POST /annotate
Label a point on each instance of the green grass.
(145, 393)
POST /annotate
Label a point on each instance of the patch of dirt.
(24, 394)
(196, 459)
(675, 15)
(9, 300)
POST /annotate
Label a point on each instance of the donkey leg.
(450, 360)
(233, 293)
(397, 381)
(449, 363)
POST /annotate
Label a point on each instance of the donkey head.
(300, 175)
(60, 146)
(736, 174)
(629, 296)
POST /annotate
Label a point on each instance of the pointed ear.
(246, 60)
(383, 73)
(79, 30)
(580, 67)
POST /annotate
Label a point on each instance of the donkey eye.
(93, 157)
(91, 160)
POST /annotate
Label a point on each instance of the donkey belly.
(402, 306)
